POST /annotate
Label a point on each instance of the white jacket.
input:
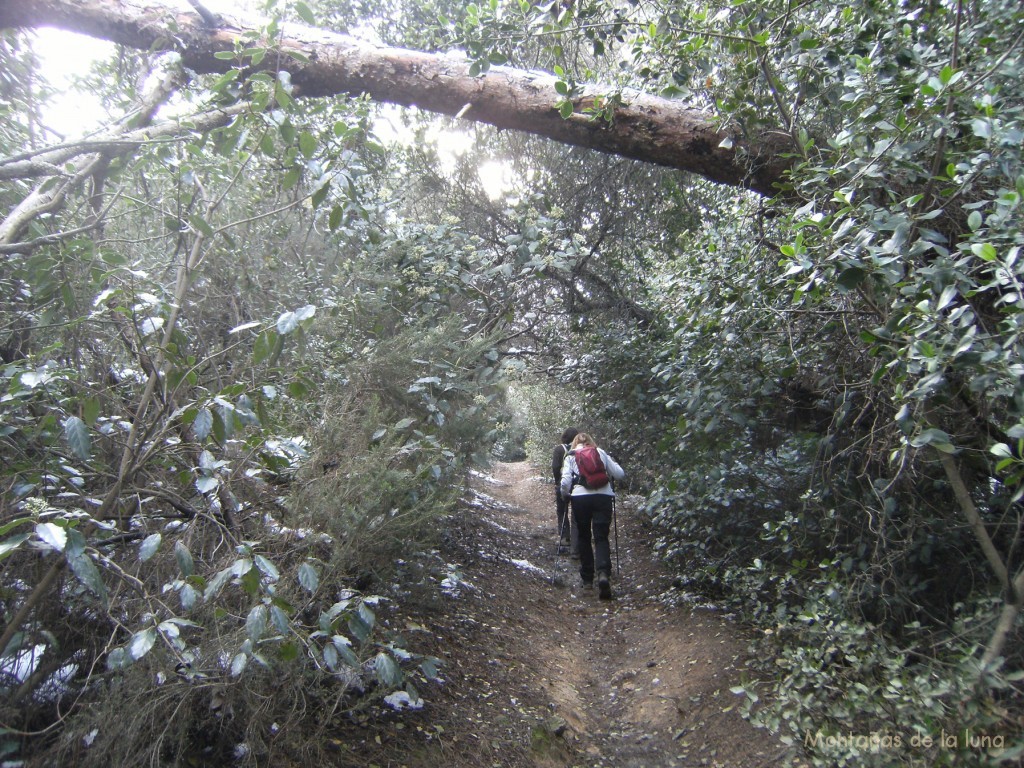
(570, 470)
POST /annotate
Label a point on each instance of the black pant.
(565, 530)
(592, 513)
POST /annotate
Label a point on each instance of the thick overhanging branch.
(323, 64)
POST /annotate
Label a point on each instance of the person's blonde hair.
(583, 439)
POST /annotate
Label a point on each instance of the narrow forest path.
(541, 673)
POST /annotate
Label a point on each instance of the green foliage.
(796, 412)
(849, 696)
(811, 402)
(279, 298)
(159, 374)
(422, 25)
(546, 411)
(253, 621)
(561, 37)
(403, 420)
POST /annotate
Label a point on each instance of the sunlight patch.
(453, 583)
(497, 525)
(486, 478)
(526, 565)
(400, 700)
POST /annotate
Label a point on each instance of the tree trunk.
(644, 127)
(1003, 630)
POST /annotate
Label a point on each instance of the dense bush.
(205, 502)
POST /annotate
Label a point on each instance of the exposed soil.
(540, 672)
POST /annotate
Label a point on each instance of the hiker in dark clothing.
(565, 528)
(592, 514)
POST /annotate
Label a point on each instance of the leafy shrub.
(854, 665)
(195, 659)
(547, 411)
(378, 496)
(849, 696)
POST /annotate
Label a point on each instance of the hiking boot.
(588, 585)
(604, 587)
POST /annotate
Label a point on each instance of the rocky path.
(541, 673)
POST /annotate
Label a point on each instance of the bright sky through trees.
(496, 176)
(73, 112)
(65, 55)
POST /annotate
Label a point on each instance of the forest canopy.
(772, 255)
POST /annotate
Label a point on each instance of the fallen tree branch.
(321, 63)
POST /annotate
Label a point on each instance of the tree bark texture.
(644, 127)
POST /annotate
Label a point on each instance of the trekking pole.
(561, 530)
(569, 523)
(615, 520)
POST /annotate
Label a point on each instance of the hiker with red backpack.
(565, 527)
(587, 476)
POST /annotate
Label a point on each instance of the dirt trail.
(541, 673)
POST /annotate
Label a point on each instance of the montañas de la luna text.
(876, 741)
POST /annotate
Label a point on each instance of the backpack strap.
(561, 464)
(576, 474)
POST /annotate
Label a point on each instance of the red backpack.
(591, 469)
